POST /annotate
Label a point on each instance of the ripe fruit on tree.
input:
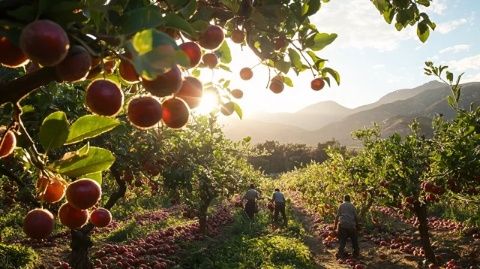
(317, 84)
(193, 52)
(276, 84)
(191, 91)
(212, 37)
(45, 42)
(104, 97)
(100, 217)
(280, 42)
(238, 36)
(210, 60)
(11, 55)
(175, 112)
(72, 217)
(237, 93)
(144, 112)
(83, 193)
(227, 108)
(8, 142)
(127, 72)
(54, 191)
(165, 84)
(38, 223)
(75, 66)
(246, 73)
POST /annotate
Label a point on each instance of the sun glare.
(208, 103)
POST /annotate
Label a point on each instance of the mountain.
(259, 131)
(309, 118)
(402, 94)
(394, 112)
(395, 116)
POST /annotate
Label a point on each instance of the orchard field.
(106, 161)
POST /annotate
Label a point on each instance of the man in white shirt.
(279, 199)
(251, 196)
(346, 223)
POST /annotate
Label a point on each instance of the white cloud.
(447, 27)
(464, 64)
(437, 7)
(359, 25)
(456, 49)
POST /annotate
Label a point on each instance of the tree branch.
(13, 91)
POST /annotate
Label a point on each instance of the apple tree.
(205, 166)
(137, 63)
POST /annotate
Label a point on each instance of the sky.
(372, 57)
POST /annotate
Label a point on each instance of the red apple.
(100, 217)
(165, 84)
(11, 55)
(83, 193)
(38, 223)
(45, 42)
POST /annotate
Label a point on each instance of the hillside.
(394, 112)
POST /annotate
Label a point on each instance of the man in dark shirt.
(279, 200)
(251, 196)
(346, 224)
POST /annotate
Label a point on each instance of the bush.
(17, 257)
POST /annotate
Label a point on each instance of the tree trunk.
(81, 241)
(421, 213)
(202, 216)
(80, 244)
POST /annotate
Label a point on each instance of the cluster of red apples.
(81, 195)
(44, 43)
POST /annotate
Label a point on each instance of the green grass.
(248, 245)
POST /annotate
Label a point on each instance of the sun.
(208, 103)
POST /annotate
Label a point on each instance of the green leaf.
(90, 126)
(225, 67)
(196, 72)
(141, 18)
(295, 59)
(189, 9)
(312, 7)
(97, 176)
(238, 110)
(381, 5)
(333, 73)
(28, 109)
(320, 41)
(423, 32)
(282, 66)
(319, 63)
(54, 130)
(425, 3)
(143, 41)
(450, 76)
(174, 21)
(74, 164)
(388, 15)
(224, 53)
(154, 57)
(287, 81)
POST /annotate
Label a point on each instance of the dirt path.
(322, 256)
(372, 256)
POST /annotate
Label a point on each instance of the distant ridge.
(394, 112)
